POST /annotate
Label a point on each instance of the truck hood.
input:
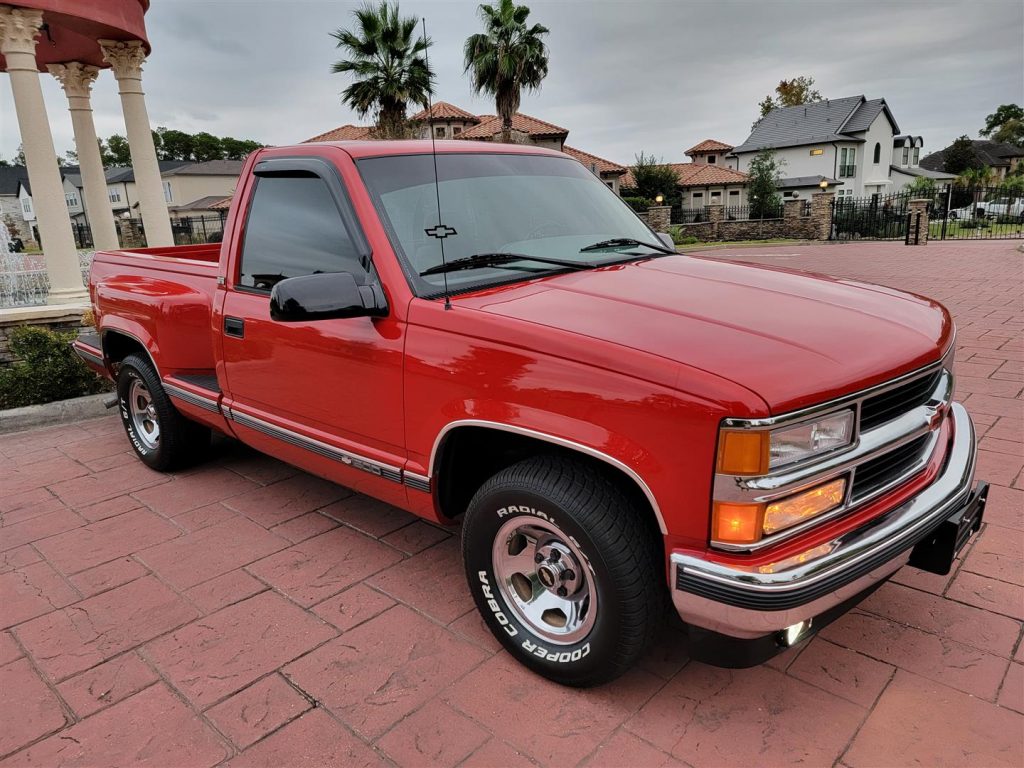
(794, 338)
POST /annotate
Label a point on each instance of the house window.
(439, 131)
(917, 155)
(711, 159)
(906, 156)
(167, 192)
(878, 153)
(817, 151)
(456, 130)
(114, 195)
(847, 162)
(734, 193)
(71, 199)
(26, 204)
(698, 198)
(716, 197)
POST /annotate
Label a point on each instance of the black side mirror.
(325, 296)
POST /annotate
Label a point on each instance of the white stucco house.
(853, 143)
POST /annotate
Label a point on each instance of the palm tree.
(506, 58)
(976, 180)
(388, 66)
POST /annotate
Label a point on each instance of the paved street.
(249, 613)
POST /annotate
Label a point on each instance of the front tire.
(563, 569)
(163, 438)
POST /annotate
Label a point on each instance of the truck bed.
(163, 297)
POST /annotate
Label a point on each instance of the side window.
(294, 228)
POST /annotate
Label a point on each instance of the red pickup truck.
(487, 335)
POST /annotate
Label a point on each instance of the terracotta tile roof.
(442, 110)
(343, 133)
(221, 205)
(709, 145)
(698, 175)
(490, 125)
(593, 162)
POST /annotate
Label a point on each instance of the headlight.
(792, 444)
(755, 452)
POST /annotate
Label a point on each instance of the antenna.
(440, 231)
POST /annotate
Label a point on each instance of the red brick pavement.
(247, 613)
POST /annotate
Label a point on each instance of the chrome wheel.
(545, 579)
(143, 415)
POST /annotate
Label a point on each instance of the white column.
(18, 31)
(126, 60)
(76, 79)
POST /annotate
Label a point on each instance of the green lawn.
(956, 231)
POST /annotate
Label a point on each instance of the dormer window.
(917, 155)
(906, 156)
(711, 159)
(878, 153)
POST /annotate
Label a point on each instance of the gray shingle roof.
(992, 153)
(865, 115)
(822, 121)
(926, 172)
(9, 177)
(209, 168)
(805, 181)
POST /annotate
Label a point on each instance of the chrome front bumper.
(746, 603)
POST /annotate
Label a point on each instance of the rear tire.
(563, 570)
(163, 438)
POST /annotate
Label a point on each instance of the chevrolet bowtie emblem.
(441, 231)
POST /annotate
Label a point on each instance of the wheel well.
(117, 346)
(470, 455)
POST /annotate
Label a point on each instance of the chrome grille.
(888, 469)
(877, 410)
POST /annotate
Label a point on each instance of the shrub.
(639, 204)
(48, 369)
(687, 240)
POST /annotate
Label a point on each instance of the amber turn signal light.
(803, 506)
(736, 523)
(742, 452)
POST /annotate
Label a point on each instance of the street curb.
(59, 412)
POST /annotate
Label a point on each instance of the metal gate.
(876, 217)
(977, 213)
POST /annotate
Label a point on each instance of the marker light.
(742, 452)
(736, 523)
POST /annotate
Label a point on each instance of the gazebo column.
(126, 60)
(18, 30)
(76, 79)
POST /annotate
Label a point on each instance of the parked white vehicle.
(990, 209)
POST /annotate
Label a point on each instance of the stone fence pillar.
(659, 217)
(918, 207)
(716, 213)
(792, 209)
(821, 214)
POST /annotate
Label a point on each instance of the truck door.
(323, 394)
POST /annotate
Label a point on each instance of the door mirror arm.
(325, 296)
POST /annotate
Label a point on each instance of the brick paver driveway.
(247, 612)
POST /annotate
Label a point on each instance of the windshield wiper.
(616, 241)
(495, 259)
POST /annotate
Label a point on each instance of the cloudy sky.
(625, 76)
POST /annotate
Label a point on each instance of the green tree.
(388, 66)
(961, 156)
(238, 149)
(118, 152)
(4, 163)
(791, 93)
(922, 187)
(976, 180)
(1005, 124)
(506, 58)
(762, 188)
(174, 144)
(652, 178)
(206, 147)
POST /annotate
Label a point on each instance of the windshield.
(532, 205)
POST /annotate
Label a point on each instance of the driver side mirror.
(325, 296)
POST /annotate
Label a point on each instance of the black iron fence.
(751, 212)
(977, 213)
(187, 230)
(876, 217)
